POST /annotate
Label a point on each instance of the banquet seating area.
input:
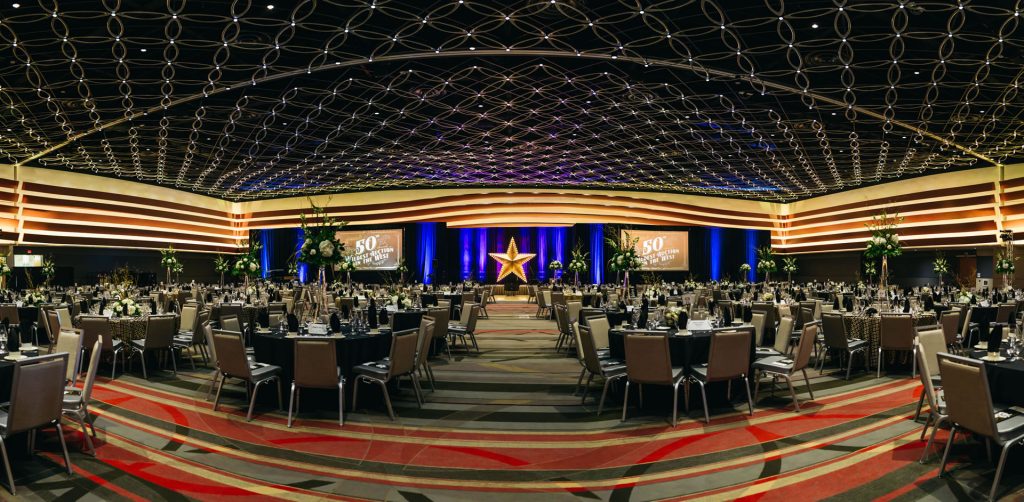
(525, 250)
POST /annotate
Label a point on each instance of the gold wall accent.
(956, 209)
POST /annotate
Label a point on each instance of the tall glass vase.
(883, 286)
(1006, 281)
(321, 291)
(576, 280)
(168, 283)
(625, 285)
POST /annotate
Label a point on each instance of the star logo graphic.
(512, 261)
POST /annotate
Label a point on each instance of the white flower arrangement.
(246, 265)
(744, 268)
(672, 315)
(555, 265)
(126, 307)
(345, 265)
(401, 301)
(768, 297)
(5, 269)
(34, 298)
(1004, 265)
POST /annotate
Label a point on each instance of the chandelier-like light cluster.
(773, 100)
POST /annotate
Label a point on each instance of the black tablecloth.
(685, 351)
(1006, 379)
(352, 351)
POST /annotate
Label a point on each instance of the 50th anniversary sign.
(373, 249)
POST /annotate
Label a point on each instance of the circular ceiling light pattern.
(685, 97)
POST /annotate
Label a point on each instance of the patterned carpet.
(503, 425)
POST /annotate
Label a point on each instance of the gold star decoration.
(512, 261)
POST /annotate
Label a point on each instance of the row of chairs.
(957, 391)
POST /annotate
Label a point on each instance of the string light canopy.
(774, 101)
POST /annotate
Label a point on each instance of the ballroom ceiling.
(767, 100)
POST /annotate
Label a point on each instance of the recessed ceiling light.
(270, 7)
(16, 5)
(142, 50)
(815, 26)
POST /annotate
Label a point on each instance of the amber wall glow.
(45, 207)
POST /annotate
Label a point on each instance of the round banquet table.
(1005, 379)
(685, 351)
(869, 328)
(353, 350)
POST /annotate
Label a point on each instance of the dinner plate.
(993, 359)
(14, 358)
(28, 348)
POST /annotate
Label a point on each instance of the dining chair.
(969, 407)
(608, 369)
(425, 339)
(897, 334)
(97, 327)
(316, 367)
(728, 360)
(402, 362)
(574, 309)
(71, 343)
(52, 326)
(931, 342)
(207, 329)
(782, 344)
(834, 330)
(968, 329)
(1004, 313)
(757, 320)
(76, 401)
(37, 394)
(441, 317)
(64, 318)
(468, 329)
(229, 350)
(565, 339)
(932, 392)
(786, 368)
(159, 338)
(193, 339)
(9, 312)
(599, 330)
(543, 303)
(188, 318)
(648, 361)
(949, 321)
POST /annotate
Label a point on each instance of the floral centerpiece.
(221, 265)
(745, 271)
(402, 270)
(624, 258)
(789, 266)
(884, 242)
(555, 265)
(126, 307)
(346, 265)
(177, 269)
(963, 296)
(49, 269)
(247, 264)
(401, 301)
(768, 297)
(941, 267)
(5, 271)
(34, 298)
(169, 261)
(766, 262)
(1004, 265)
(672, 316)
(869, 270)
(321, 248)
(577, 264)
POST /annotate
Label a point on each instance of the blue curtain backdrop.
(442, 255)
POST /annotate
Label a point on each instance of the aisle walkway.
(502, 426)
